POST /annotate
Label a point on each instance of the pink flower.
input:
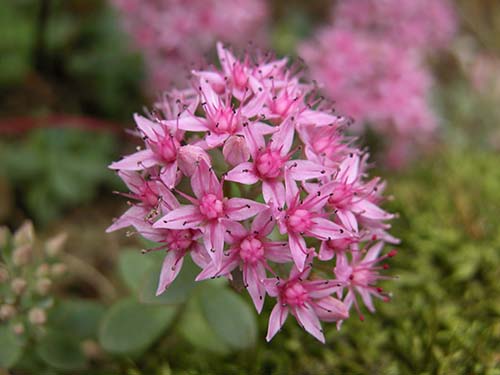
(360, 275)
(173, 34)
(267, 180)
(250, 250)
(419, 24)
(209, 211)
(309, 301)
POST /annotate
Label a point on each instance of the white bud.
(4, 236)
(7, 312)
(21, 256)
(55, 244)
(18, 285)
(188, 156)
(58, 269)
(235, 150)
(43, 286)
(4, 275)
(37, 316)
(43, 270)
(25, 235)
(18, 329)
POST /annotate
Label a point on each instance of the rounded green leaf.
(129, 327)
(80, 317)
(11, 347)
(133, 266)
(176, 293)
(230, 317)
(196, 330)
(61, 351)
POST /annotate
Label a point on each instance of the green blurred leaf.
(129, 327)
(177, 293)
(133, 267)
(198, 332)
(229, 315)
(11, 347)
(61, 350)
(80, 317)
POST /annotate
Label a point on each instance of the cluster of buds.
(173, 34)
(27, 273)
(249, 173)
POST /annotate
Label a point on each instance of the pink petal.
(324, 229)
(234, 231)
(305, 169)
(243, 174)
(276, 320)
(189, 123)
(137, 161)
(278, 252)
(253, 276)
(133, 214)
(147, 127)
(214, 242)
(274, 192)
(240, 209)
(272, 286)
(325, 252)
(309, 320)
(330, 309)
(298, 250)
(255, 139)
(171, 267)
(204, 181)
(200, 255)
(213, 139)
(169, 174)
(183, 217)
(282, 140)
(347, 218)
(211, 270)
(263, 223)
(189, 156)
(235, 150)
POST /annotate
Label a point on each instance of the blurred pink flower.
(174, 35)
(414, 24)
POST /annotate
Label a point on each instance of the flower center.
(299, 220)
(178, 239)
(269, 164)
(211, 207)
(295, 295)
(224, 121)
(239, 77)
(148, 195)
(281, 105)
(342, 196)
(166, 148)
(251, 250)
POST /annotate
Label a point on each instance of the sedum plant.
(250, 174)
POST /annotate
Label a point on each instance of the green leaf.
(196, 330)
(230, 317)
(11, 347)
(61, 351)
(133, 267)
(80, 317)
(129, 327)
(177, 293)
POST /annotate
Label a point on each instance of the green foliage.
(61, 351)
(53, 169)
(129, 327)
(11, 345)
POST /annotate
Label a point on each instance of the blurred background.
(72, 74)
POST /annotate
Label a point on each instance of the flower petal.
(276, 320)
(307, 317)
(172, 264)
(242, 173)
(136, 161)
(240, 209)
(184, 217)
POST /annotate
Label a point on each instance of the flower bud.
(25, 235)
(43, 270)
(189, 156)
(43, 286)
(7, 312)
(58, 269)
(21, 256)
(55, 244)
(235, 150)
(18, 285)
(91, 349)
(37, 316)
(18, 329)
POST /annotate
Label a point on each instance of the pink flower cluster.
(247, 172)
(174, 34)
(420, 24)
(371, 62)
